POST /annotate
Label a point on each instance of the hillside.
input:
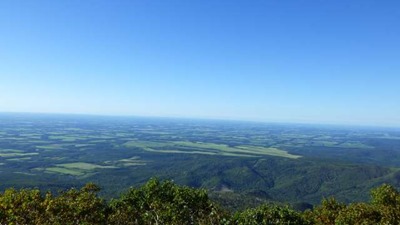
(241, 164)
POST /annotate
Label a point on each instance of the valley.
(239, 163)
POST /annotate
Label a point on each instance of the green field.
(19, 159)
(17, 154)
(66, 171)
(83, 166)
(355, 145)
(76, 168)
(186, 147)
(133, 161)
(50, 147)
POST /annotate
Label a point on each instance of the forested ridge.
(249, 172)
(241, 164)
(164, 202)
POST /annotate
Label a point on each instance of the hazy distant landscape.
(240, 163)
(199, 112)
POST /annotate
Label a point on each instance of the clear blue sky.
(320, 61)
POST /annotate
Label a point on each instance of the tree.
(164, 203)
(359, 213)
(21, 207)
(326, 213)
(269, 214)
(75, 207)
(387, 200)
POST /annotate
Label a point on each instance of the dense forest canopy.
(164, 202)
(241, 164)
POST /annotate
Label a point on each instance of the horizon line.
(282, 122)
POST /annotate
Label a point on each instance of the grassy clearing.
(203, 145)
(50, 147)
(19, 159)
(129, 159)
(84, 166)
(185, 147)
(180, 151)
(74, 129)
(267, 151)
(98, 141)
(236, 154)
(30, 135)
(83, 145)
(144, 144)
(55, 158)
(100, 136)
(17, 154)
(67, 138)
(13, 138)
(70, 139)
(25, 173)
(31, 141)
(123, 135)
(355, 145)
(10, 151)
(75, 169)
(324, 143)
(133, 164)
(64, 171)
(133, 161)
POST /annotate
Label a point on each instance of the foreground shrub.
(21, 207)
(71, 207)
(164, 203)
(75, 207)
(326, 213)
(269, 214)
(167, 203)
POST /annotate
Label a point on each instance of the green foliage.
(385, 195)
(359, 213)
(54, 153)
(71, 207)
(387, 199)
(327, 212)
(269, 214)
(164, 202)
(383, 209)
(21, 207)
(75, 207)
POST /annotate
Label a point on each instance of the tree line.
(164, 202)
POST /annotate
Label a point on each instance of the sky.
(307, 61)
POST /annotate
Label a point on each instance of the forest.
(164, 202)
(241, 164)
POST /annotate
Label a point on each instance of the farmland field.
(208, 149)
